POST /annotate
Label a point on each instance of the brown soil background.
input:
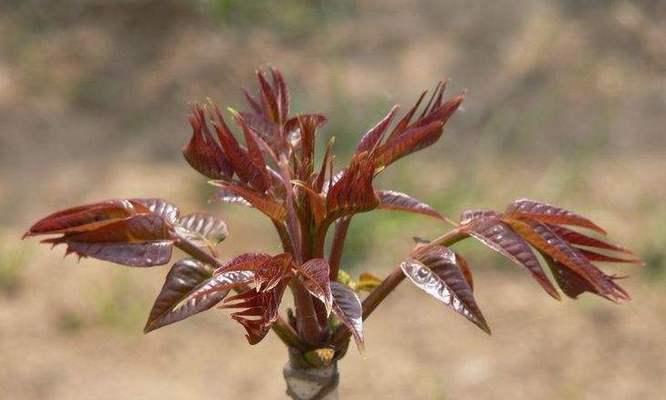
(566, 103)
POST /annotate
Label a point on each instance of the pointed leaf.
(241, 161)
(544, 239)
(182, 279)
(281, 94)
(595, 256)
(347, 307)
(435, 270)
(579, 239)
(315, 279)
(572, 283)
(203, 153)
(391, 200)
(497, 235)
(269, 101)
(374, 136)
(412, 140)
(254, 151)
(549, 214)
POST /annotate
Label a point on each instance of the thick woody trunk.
(305, 382)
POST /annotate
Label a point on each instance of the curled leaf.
(203, 153)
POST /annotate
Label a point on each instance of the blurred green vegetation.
(12, 261)
(288, 19)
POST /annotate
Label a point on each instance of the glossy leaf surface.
(347, 307)
(436, 272)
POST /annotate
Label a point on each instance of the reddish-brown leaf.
(490, 230)
(244, 262)
(595, 256)
(275, 211)
(269, 102)
(412, 140)
(203, 153)
(347, 307)
(281, 94)
(239, 158)
(315, 279)
(407, 118)
(83, 218)
(254, 151)
(353, 193)
(464, 268)
(441, 112)
(391, 200)
(304, 128)
(326, 165)
(548, 214)
(572, 283)
(184, 278)
(435, 270)
(544, 239)
(268, 270)
(374, 136)
(142, 240)
(580, 239)
(259, 310)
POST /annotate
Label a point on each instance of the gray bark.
(308, 383)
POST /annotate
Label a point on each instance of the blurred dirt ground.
(566, 103)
